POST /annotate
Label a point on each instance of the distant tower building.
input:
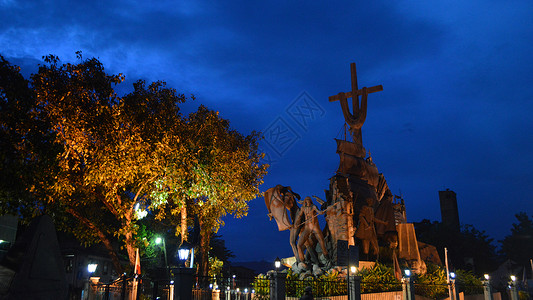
(448, 209)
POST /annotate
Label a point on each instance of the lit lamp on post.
(514, 290)
(453, 291)
(184, 275)
(91, 268)
(277, 282)
(158, 241)
(183, 255)
(408, 287)
(354, 284)
(277, 263)
(487, 291)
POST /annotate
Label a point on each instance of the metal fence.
(232, 288)
(122, 288)
(226, 288)
(334, 290)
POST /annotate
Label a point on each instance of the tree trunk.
(130, 241)
(183, 224)
(105, 240)
(203, 266)
(130, 249)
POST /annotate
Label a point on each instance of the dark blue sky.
(454, 112)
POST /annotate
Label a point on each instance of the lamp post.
(514, 290)
(354, 284)
(183, 255)
(453, 291)
(487, 291)
(184, 276)
(277, 282)
(408, 288)
(91, 268)
(158, 241)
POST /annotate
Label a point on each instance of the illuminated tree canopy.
(105, 154)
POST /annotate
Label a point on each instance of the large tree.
(26, 158)
(115, 153)
(468, 249)
(518, 246)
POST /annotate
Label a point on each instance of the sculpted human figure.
(366, 231)
(279, 200)
(310, 227)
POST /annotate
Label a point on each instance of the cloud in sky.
(454, 112)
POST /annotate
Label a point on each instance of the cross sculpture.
(356, 119)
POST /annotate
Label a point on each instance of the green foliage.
(261, 285)
(379, 278)
(432, 284)
(215, 267)
(523, 295)
(468, 283)
(24, 162)
(218, 249)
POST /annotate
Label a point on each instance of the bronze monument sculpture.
(359, 209)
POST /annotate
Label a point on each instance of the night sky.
(454, 112)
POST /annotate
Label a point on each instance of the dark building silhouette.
(448, 209)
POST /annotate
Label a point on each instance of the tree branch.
(105, 240)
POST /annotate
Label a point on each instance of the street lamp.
(277, 263)
(514, 290)
(487, 291)
(453, 291)
(354, 284)
(159, 240)
(407, 273)
(183, 253)
(408, 288)
(353, 269)
(91, 268)
(184, 276)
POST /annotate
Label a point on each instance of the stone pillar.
(183, 283)
(277, 285)
(408, 289)
(354, 287)
(487, 290)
